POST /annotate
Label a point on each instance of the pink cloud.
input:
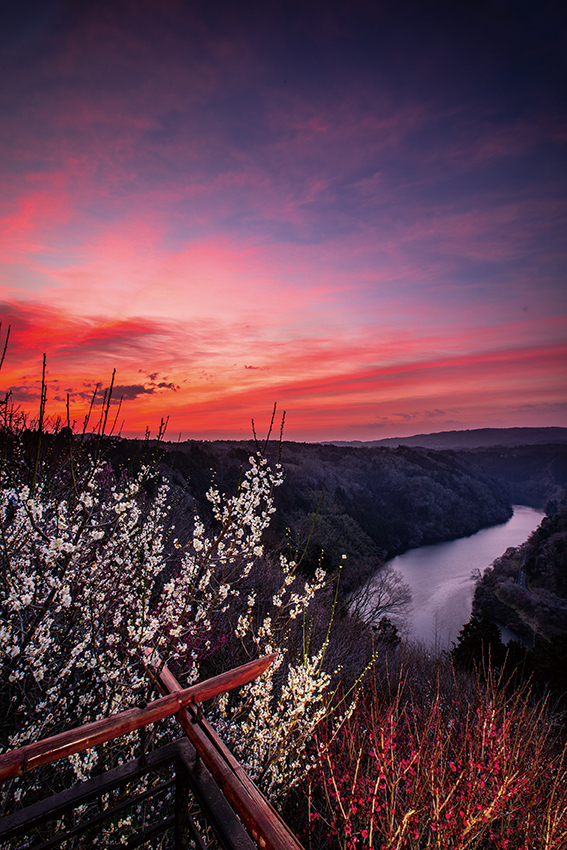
(326, 384)
(342, 245)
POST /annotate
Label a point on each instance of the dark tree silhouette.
(479, 644)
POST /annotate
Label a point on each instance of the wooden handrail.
(258, 815)
(26, 758)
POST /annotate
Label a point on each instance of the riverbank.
(442, 576)
(368, 503)
(526, 587)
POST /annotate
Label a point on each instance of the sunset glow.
(358, 214)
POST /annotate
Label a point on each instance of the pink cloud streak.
(195, 373)
(364, 253)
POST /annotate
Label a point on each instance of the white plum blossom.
(89, 585)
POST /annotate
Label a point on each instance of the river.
(440, 575)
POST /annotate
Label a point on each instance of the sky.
(356, 210)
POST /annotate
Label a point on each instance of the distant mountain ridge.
(470, 439)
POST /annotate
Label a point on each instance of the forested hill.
(471, 439)
(526, 589)
(371, 503)
(531, 475)
(530, 463)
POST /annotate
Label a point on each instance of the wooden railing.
(260, 818)
(226, 795)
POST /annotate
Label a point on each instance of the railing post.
(181, 807)
(263, 823)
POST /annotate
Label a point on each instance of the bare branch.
(386, 593)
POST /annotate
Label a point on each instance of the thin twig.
(5, 343)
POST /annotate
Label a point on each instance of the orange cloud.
(201, 375)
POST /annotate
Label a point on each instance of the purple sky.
(356, 210)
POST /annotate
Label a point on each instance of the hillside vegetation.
(526, 588)
(529, 475)
(529, 463)
(369, 504)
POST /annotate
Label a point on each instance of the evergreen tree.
(479, 644)
(387, 633)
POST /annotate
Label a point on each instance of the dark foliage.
(546, 553)
(387, 633)
(479, 645)
(526, 589)
(369, 504)
(530, 475)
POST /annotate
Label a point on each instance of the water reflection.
(440, 575)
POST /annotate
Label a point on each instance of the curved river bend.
(440, 575)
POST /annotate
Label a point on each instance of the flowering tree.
(472, 766)
(92, 577)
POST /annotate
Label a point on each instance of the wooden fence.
(199, 795)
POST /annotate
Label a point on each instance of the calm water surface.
(440, 575)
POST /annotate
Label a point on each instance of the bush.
(452, 764)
